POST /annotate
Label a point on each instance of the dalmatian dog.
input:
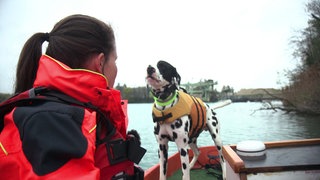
(164, 86)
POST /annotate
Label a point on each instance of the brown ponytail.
(73, 40)
(28, 62)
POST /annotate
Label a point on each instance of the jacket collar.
(82, 84)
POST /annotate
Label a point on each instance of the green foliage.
(135, 95)
(4, 96)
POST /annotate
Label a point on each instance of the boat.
(289, 159)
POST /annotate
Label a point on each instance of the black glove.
(135, 151)
(134, 135)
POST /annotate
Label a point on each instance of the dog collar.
(166, 103)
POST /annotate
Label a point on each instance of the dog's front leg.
(162, 151)
(185, 166)
(163, 158)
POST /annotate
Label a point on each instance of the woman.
(57, 141)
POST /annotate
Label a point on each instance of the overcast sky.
(243, 44)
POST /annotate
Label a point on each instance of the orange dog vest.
(187, 105)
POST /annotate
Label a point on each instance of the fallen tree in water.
(303, 99)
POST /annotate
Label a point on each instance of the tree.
(4, 96)
(303, 92)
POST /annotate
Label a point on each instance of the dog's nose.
(150, 70)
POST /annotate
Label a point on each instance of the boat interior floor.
(202, 174)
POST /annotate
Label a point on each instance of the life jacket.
(186, 105)
(88, 144)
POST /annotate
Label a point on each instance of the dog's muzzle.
(150, 70)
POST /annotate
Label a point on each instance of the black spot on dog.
(178, 123)
(222, 158)
(217, 131)
(184, 165)
(183, 152)
(213, 112)
(172, 126)
(161, 147)
(214, 118)
(186, 127)
(184, 140)
(213, 136)
(156, 129)
(163, 136)
(175, 135)
(219, 148)
(214, 124)
(164, 150)
(165, 162)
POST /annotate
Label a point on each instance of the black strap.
(41, 94)
(21, 99)
(161, 118)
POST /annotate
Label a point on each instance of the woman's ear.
(95, 63)
(99, 61)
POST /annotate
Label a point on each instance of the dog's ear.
(168, 72)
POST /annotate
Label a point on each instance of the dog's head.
(163, 81)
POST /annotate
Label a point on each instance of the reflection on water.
(239, 121)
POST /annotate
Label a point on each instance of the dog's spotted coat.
(178, 130)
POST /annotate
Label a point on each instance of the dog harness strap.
(161, 118)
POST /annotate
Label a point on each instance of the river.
(239, 121)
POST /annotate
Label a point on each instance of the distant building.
(203, 89)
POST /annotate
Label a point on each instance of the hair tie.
(46, 36)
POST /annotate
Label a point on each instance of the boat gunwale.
(238, 165)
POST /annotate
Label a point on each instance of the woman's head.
(74, 41)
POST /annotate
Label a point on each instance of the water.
(239, 121)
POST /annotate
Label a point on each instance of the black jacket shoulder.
(51, 134)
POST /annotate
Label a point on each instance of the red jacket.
(57, 141)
